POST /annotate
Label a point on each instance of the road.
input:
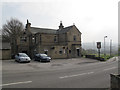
(60, 75)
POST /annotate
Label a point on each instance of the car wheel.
(16, 60)
(19, 61)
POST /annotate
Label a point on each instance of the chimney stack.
(61, 25)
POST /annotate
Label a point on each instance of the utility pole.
(110, 47)
(104, 46)
(94, 47)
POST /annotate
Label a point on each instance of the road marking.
(75, 75)
(90, 72)
(16, 83)
(109, 68)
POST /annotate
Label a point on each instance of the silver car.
(22, 57)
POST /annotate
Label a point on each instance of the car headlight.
(29, 59)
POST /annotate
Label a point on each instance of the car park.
(22, 57)
(42, 58)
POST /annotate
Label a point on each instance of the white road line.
(109, 68)
(90, 72)
(16, 83)
(75, 75)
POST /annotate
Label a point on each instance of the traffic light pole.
(99, 53)
(99, 46)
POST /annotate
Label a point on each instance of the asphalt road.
(59, 74)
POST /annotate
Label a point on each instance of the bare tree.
(11, 31)
(12, 28)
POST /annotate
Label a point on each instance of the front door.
(78, 52)
(46, 52)
(24, 52)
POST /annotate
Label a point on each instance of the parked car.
(42, 58)
(22, 57)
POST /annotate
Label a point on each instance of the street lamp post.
(110, 47)
(104, 46)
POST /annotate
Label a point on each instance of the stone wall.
(48, 39)
(5, 54)
(54, 51)
(115, 81)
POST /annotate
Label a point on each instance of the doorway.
(46, 52)
(24, 52)
(78, 52)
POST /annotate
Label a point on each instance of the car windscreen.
(23, 55)
(43, 55)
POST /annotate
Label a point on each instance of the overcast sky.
(94, 18)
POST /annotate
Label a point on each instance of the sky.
(94, 18)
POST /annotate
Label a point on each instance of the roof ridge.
(68, 26)
(43, 28)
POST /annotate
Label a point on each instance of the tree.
(11, 31)
(83, 52)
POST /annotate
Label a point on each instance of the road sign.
(98, 45)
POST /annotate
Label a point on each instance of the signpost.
(99, 47)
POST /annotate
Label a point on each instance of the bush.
(90, 56)
(94, 57)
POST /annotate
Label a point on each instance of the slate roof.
(66, 29)
(35, 30)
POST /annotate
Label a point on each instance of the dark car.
(42, 58)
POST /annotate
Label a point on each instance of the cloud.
(94, 18)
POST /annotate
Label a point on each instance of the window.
(60, 52)
(36, 39)
(74, 38)
(70, 51)
(40, 37)
(55, 39)
(35, 36)
(64, 51)
(33, 39)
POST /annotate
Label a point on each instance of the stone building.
(64, 42)
(5, 49)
